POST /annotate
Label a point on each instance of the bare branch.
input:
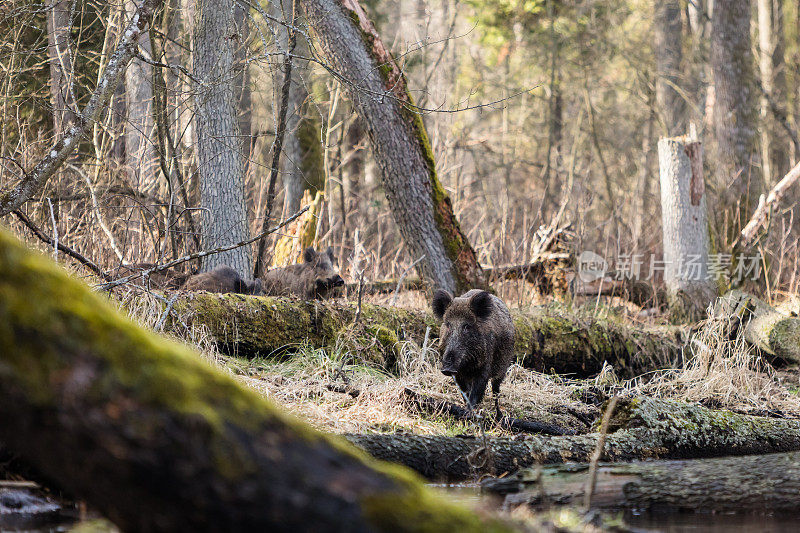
(158, 268)
(765, 206)
(66, 145)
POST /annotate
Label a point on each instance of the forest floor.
(334, 390)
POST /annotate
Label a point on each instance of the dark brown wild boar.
(476, 341)
(316, 277)
(222, 279)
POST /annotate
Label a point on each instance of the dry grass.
(303, 385)
(723, 372)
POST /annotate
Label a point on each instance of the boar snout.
(449, 367)
(336, 281)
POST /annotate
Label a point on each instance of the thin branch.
(748, 234)
(197, 255)
(39, 234)
(278, 146)
(32, 182)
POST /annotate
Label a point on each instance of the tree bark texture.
(775, 147)
(141, 158)
(735, 112)
(60, 57)
(668, 34)
(642, 428)
(547, 339)
(377, 87)
(150, 435)
(756, 483)
(684, 225)
(219, 146)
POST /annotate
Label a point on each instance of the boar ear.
(309, 254)
(441, 301)
(481, 304)
(329, 251)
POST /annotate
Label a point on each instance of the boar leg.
(496, 395)
(478, 390)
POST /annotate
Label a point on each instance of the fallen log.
(641, 428)
(774, 333)
(156, 439)
(549, 339)
(429, 404)
(756, 483)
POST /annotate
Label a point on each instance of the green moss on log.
(152, 436)
(548, 338)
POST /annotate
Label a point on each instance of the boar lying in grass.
(476, 342)
(316, 277)
(222, 279)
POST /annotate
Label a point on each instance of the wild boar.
(316, 277)
(222, 279)
(476, 341)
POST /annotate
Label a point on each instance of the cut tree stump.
(774, 333)
(755, 483)
(642, 428)
(548, 339)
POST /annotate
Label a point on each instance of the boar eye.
(466, 326)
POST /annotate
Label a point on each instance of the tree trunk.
(760, 483)
(642, 428)
(60, 58)
(241, 82)
(668, 33)
(377, 87)
(547, 340)
(302, 146)
(141, 158)
(219, 147)
(154, 438)
(355, 167)
(685, 227)
(774, 145)
(735, 112)
(774, 333)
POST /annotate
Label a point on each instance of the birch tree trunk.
(140, 152)
(685, 226)
(219, 147)
(735, 112)
(60, 58)
(774, 145)
(667, 30)
(377, 87)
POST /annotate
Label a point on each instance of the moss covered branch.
(548, 338)
(155, 438)
(640, 429)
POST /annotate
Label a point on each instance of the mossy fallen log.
(548, 338)
(774, 333)
(755, 483)
(156, 439)
(640, 429)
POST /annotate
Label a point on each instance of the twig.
(39, 234)
(55, 230)
(400, 281)
(598, 452)
(158, 268)
(160, 324)
(278, 146)
(748, 234)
